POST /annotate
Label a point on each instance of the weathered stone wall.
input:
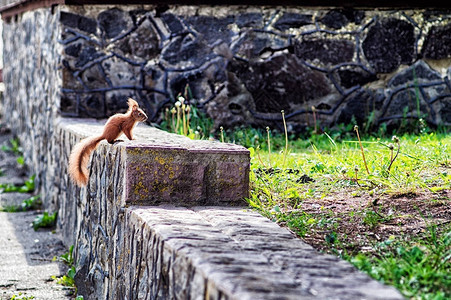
(95, 218)
(156, 250)
(243, 65)
(32, 56)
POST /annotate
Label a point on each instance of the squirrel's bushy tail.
(79, 157)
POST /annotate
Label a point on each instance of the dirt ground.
(362, 221)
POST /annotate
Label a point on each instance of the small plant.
(21, 296)
(186, 119)
(68, 279)
(392, 158)
(356, 171)
(269, 146)
(27, 187)
(67, 258)
(331, 238)
(45, 220)
(20, 160)
(285, 152)
(371, 218)
(31, 203)
(420, 123)
(14, 147)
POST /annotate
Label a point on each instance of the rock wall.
(32, 57)
(243, 65)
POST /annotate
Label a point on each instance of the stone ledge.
(161, 167)
(234, 253)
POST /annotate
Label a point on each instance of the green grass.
(298, 188)
(423, 163)
(419, 268)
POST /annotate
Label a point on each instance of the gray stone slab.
(239, 254)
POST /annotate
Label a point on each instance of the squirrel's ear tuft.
(132, 104)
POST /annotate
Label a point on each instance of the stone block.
(388, 44)
(183, 173)
(161, 167)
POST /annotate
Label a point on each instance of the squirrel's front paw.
(117, 141)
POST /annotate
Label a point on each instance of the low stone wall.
(30, 104)
(168, 248)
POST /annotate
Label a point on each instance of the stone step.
(162, 167)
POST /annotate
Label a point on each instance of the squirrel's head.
(137, 113)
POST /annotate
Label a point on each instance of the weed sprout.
(356, 170)
(269, 146)
(286, 137)
(392, 159)
(356, 129)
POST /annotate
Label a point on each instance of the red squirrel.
(116, 124)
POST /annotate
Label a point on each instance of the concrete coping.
(162, 167)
